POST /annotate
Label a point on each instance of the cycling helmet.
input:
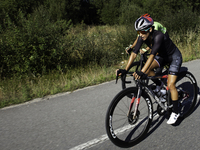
(143, 23)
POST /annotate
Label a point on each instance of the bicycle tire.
(186, 82)
(122, 130)
(124, 81)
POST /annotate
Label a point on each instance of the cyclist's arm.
(148, 48)
(127, 50)
(131, 60)
(134, 43)
(148, 63)
(135, 52)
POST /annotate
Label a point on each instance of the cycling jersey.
(160, 43)
(163, 47)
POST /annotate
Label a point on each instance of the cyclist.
(163, 51)
(157, 26)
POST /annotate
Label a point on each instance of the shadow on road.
(155, 124)
(198, 101)
(194, 109)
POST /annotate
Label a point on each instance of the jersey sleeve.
(158, 41)
(138, 45)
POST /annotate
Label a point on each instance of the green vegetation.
(52, 46)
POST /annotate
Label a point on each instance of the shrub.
(35, 46)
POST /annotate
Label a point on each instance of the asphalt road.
(76, 121)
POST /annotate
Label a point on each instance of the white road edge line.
(91, 143)
(101, 139)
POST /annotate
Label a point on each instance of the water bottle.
(163, 95)
(163, 92)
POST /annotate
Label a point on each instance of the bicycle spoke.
(187, 94)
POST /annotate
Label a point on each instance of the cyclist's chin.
(144, 39)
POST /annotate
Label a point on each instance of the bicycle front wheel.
(187, 89)
(122, 129)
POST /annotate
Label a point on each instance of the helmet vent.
(142, 22)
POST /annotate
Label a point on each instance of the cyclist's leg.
(157, 63)
(173, 71)
(174, 68)
(174, 96)
(172, 87)
(150, 71)
(173, 91)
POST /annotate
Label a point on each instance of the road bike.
(130, 113)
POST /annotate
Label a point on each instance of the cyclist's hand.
(128, 50)
(141, 51)
(139, 75)
(120, 72)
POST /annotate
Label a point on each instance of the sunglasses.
(143, 32)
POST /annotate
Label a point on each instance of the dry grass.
(21, 90)
(188, 44)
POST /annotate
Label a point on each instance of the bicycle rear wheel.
(187, 89)
(123, 130)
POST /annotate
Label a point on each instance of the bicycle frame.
(143, 85)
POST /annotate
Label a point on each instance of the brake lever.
(116, 79)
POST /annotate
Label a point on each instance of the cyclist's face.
(145, 34)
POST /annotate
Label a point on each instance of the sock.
(175, 106)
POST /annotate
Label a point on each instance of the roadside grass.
(15, 90)
(18, 90)
(188, 43)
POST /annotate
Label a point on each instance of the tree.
(10, 8)
(193, 4)
(110, 12)
(130, 10)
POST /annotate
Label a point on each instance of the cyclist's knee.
(171, 82)
(151, 73)
(171, 85)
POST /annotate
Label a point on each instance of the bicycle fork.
(137, 103)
